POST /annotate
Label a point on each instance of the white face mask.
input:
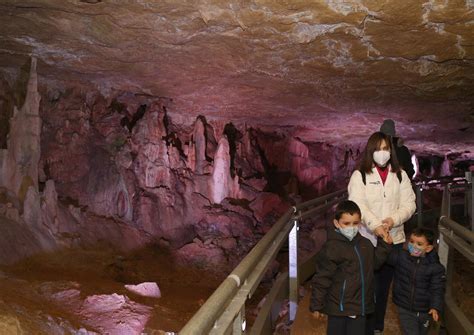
(381, 157)
(349, 232)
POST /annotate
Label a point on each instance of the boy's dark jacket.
(419, 281)
(338, 283)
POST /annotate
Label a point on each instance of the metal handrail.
(203, 320)
(226, 303)
(453, 235)
(457, 229)
(224, 311)
(452, 182)
(439, 180)
(311, 203)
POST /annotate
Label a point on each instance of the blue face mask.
(349, 232)
(414, 251)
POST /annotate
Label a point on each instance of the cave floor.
(28, 289)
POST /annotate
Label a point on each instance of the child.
(418, 288)
(343, 286)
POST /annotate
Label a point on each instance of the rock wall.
(203, 188)
(119, 171)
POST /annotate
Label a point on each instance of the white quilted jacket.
(395, 199)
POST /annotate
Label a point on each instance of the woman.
(385, 196)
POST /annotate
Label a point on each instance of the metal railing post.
(470, 198)
(471, 207)
(456, 237)
(443, 248)
(293, 270)
(446, 204)
(449, 274)
(419, 204)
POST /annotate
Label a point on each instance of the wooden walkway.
(305, 324)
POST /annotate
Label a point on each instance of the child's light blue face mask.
(349, 232)
(414, 251)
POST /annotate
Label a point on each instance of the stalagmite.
(19, 168)
(221, 184)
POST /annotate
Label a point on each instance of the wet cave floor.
(35, 295)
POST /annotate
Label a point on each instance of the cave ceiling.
(328, 67)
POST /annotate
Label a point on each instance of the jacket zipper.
(412, 298)
(361, 264)
(341, 302)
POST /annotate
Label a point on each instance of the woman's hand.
(380, 231)
(388, 223)
(388, 239)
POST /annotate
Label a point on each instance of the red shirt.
(383, 172)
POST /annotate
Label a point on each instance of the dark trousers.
(414, 323)
(370, 324)
(383, 280)
(344, 325)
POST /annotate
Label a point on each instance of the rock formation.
(156, 119)
(20, 160)
(222, 184)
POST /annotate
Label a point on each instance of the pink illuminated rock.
(32, 208)
(215, 226)
(199, 146)
(222, 184)
(19, 240)
(67, 297)
(446, 168)
(106, 191)
(11, 212)
(152, 165)
(19, 162)
(298, 148)
(49, 206)
(108, 314)
(190, 152)
(148, 289)
(228, 243)
(202, 256)
(256, 183)
(251, 161)
(266, 203)
(114, 314)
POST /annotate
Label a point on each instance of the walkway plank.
(305, 324)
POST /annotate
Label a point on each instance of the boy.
(343, 286)
(418, 287)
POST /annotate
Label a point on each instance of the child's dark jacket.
(419, 281)
(344, 281)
